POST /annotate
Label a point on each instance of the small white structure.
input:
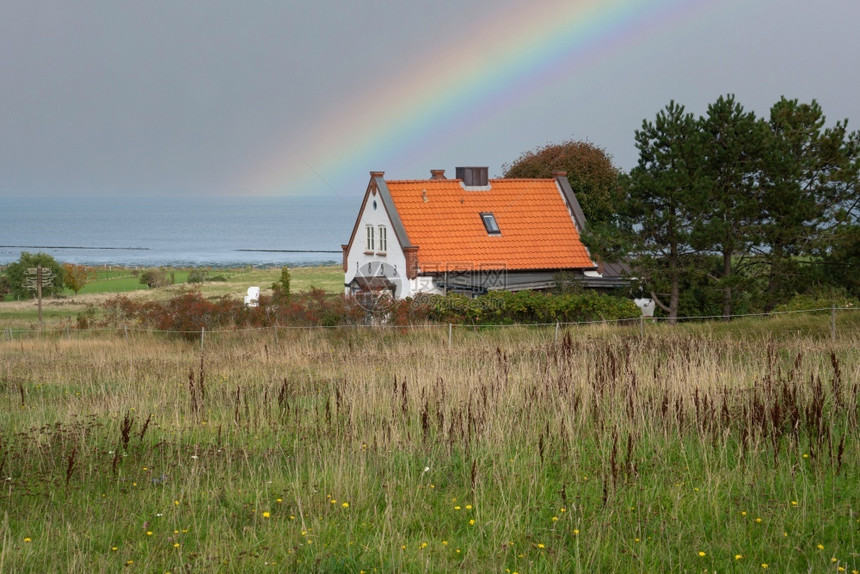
(647, 305)
(252, 299)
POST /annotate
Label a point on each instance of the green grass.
(373, 449)
(63, 310)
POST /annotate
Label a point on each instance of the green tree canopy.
(589, 169)
(16, 275)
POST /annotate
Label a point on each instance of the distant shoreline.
(81, 247)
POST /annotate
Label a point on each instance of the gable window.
(370, 239)
(490, 224)
(383, 238)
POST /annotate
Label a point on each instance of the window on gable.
(490, 224)
(370, 241)
(383, 238)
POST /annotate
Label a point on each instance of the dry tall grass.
(349, 450)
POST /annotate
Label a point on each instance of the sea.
(178, 231)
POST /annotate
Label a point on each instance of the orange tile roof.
(537, 231)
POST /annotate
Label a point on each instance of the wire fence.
(640, 324)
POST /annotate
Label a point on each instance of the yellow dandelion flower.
(744, 513)
(834, 559)
(266, 514)
(456, 508)
(541, 546)
(403, 547)
(114, 548)
(576, 531)
(472, 522)
(702, 554)
(149, 532)
(738, 556)
(562, 509)
(333, 501)
(821, 547)
(279, 501)
(468, 507)
(554, 518)
(794, 503)
(175, 503)
(764, 565)
(176, 545)
(345, 505)
(130, 562)
(27, 539)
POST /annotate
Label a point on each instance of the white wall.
(393, 257)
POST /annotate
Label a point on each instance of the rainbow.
(509, 57)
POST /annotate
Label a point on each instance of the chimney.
(377, 173)
(437, 174)
(558, 174)
(474, 176)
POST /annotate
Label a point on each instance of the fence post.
(125, 329)
(833, 322)
(450, 335)
(202, 334)
(641, 325)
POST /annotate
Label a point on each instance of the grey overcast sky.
(265, 97)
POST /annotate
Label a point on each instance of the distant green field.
(232, 282)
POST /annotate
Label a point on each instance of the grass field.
(109, 282)
(711, 447)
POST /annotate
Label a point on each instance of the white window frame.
(370, 238)
(490, 224)
(383, 239)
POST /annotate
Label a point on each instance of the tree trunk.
(727, 289)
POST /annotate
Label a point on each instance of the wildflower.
(444, 543)
(794, 503)
(764, 565)
(266, 514)
(834, 559)
(702, 554)
(403, 547)
(468, 507)
(27, 539)
(175, 503)
(456, 508)
(345, 505)
(333, 501)
(130, 562)
(562, 509)
(738, 556)
(554, 518)
(279, 501)
(114, 548)
(541, 546)
(576, 531)
(423, 545)
(472, 522)
(821, 547)
(176, 545)
(758, 519)
(743, 513)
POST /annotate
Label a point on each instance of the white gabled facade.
(374, 255)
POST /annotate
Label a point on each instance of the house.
(469, 234)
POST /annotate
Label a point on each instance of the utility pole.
(36, 276)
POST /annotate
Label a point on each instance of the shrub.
(155, 278)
